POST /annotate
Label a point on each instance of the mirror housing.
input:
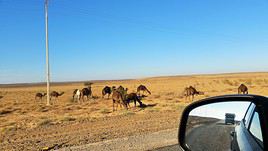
(260, 102)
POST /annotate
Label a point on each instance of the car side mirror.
(207, 124)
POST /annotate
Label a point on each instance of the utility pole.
(47, 54)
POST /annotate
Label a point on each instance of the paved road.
(210, 137)
(151, 141)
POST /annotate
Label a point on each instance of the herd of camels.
(122, 98)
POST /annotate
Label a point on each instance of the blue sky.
(104, 39)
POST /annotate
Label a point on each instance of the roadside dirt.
(89, 131)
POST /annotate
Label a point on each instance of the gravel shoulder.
(91, 131)
(139, 142)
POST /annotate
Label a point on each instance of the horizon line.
(141, 78)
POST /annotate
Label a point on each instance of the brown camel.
(39, 96)
(55, 95)
(123, 91)
(242, 89)
(106, 90)
(190, 92)
(143, 89)
(118, 99)
(120, 89)
(86, 92)
(134, 97)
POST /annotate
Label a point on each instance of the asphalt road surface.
(210, 137)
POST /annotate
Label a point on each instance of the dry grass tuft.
(45, 122)
(105, 111)
(248, 81)
(227, 82)
(128, 113)
(156, 96)
(67, 119)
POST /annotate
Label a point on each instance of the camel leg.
(113, 105)
(116, 106)
(125, 105)
(139, 101)
(83, 98)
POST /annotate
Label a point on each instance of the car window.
(255, 127)
(248, 114)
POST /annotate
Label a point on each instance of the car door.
(248, 134)
(255, 131)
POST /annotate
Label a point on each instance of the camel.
(123, 91)
(242, 89)
(1, 97)
(86, 92)
(77, 95)
(39, 96)
(118, 99)
(134, 97)
(55, 95)
(106, 90)
(143, 89)
(190, 92)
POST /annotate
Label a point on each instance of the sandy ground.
(26, 124)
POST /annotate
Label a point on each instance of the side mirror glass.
(209, 126)
(216, 123)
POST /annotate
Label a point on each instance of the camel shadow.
(148, 105)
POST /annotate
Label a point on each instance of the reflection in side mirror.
(209, 126)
